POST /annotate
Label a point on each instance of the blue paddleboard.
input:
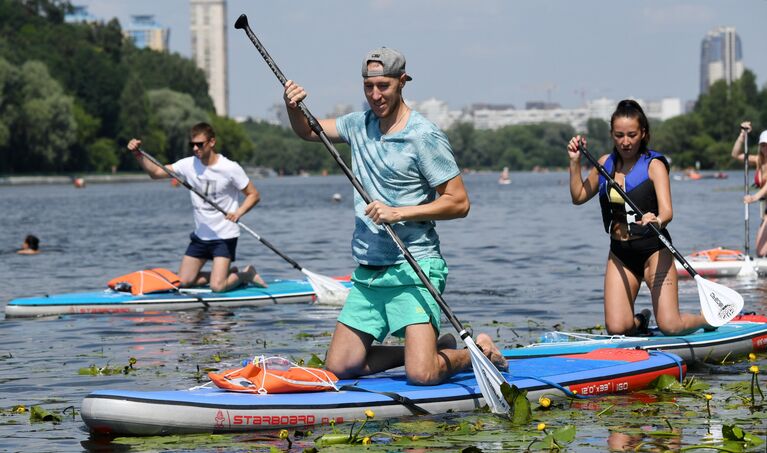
(110, 301)
(209, 409)
(745, 334)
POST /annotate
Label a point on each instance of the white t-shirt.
(222, 183)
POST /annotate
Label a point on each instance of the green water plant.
(336, 437)
(520, 413)
(555, 440)
(754, 370)
(38, 415)
(108, 370)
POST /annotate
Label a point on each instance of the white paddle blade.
(748, 270)
(489, 379)
(718, 303)
(329, 291)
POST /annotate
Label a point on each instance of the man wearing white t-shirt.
(215, 235)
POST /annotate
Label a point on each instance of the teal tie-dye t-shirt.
(399, 169)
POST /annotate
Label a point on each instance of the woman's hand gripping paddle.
(328, 290)
(719, 304)
(488, 376)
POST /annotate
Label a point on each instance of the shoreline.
(93, 178)
(104, 178)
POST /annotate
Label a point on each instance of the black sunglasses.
(197, 144)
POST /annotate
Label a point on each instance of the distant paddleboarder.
(504, 179)
(759, 160)
(215, 235)
(636, 252)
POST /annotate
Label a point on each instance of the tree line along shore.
(74, 94)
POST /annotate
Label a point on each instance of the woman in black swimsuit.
(636, 253)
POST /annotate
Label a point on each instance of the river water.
(523, 261)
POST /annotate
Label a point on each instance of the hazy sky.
(467, 51)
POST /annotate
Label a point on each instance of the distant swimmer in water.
(31, 245)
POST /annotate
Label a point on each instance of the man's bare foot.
(491, 351)
(252, 276)
(446, 341)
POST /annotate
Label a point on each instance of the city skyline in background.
(652, 32)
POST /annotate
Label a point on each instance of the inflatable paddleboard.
(212, 410)
(110, 301)
(745, 334)
(720, 262)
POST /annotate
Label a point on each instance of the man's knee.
(341, 368)
(423, 375)
(218, 285)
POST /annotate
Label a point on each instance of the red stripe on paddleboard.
(623, 355)
(759, 343)
(623, 383)
(751, 318)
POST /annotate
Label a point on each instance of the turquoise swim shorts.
(388, 299)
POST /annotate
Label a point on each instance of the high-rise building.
(145, 32)
(209, 48)
(720, 57)
(78, 14)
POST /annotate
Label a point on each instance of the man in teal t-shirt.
(407, 166)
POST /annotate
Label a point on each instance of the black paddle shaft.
(745, 187)
(624, 195)
(242, 24)
(180, 179)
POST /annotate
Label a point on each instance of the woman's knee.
(670, 325)
(620, 326)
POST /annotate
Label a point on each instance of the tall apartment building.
(720, 57)
(145, 32)
(209, 48)
(79, 14)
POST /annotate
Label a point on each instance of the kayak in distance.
(739, 337)
(111, 301)
(721, 262)
(213, 410)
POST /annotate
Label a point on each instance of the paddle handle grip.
(183, 182)
(242, 24)
(601, 169)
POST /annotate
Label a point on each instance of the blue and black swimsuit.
(642, 242)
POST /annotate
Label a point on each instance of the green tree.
(134, 117)
(102, 155)
(163, 70)
(87, 132)
(231, 139)
(723, 108)
(675, 138)
(175, 114)
(42, 127)
(598, 134)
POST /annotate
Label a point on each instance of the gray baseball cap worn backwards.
(393, 63)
